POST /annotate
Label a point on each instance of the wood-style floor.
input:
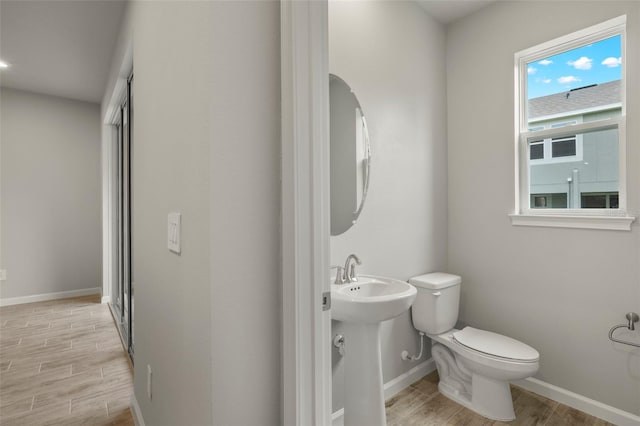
(62, 363)
(422, 405)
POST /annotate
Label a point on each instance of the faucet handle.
(339, 275)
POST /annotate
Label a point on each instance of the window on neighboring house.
(555, 150)
(563, 147)
(570, 125)
(603, 200)
(549, 201)
(537, 150)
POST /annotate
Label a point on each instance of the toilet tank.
(435, 309)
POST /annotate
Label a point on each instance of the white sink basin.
(371, 299)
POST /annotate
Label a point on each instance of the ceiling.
(61, 47)
(447, 11)
(64, 47)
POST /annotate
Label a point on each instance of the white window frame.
(616, 219)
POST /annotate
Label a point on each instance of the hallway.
(62, 363)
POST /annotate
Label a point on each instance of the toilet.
(475, 366)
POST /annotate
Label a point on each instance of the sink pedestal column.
(364, 394)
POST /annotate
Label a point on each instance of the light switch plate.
(173, 232)
(3, 274)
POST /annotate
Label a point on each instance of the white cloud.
(583, 63)
(568, 79)
(546, 81)
(612, 62)
(531, 70)
(545, 62)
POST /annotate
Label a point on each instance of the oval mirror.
(350, 156)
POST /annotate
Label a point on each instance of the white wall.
(206, 144)
(392, 55)
(244, 200)
(50, 194)
(559, 290)
(171, 136)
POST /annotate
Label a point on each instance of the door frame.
(114, 257)
(306, 327)
(110, 108)
(109, 194)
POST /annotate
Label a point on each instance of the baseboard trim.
(106, 299)
(579, 402)
(7, 301)
(135, 411)
(392, 387)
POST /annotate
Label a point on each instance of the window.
(556, 150)
(549, 201)
(563, 147)
(570, 129)
(604, 200)
(536, 149)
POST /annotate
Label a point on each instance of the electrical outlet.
(149, 374)
(3, 274)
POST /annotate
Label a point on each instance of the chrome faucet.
(339, 275)
(350, 268)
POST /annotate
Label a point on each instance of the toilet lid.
(495, 344)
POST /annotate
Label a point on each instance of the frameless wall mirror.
(350, 156)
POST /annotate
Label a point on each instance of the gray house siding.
(595, 171)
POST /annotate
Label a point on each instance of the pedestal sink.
(362, 306)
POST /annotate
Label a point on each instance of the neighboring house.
(576, 171)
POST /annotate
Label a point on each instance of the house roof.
(575, 100)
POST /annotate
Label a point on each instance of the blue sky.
(595, 63)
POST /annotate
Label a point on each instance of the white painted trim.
(107, 246)
(614, 223)
(574, 129)
(105, 299)
(49, 296)
(578, 38)
(306, 329)
(135, 410)
(394, 386)
(108, 161)
(579, 402)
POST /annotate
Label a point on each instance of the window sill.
(616, 223)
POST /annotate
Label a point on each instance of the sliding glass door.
(122, 300)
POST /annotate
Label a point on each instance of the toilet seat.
(495, 345)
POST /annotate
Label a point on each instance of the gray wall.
(559, 290)
(206, 144)
(50, 177)
(244, 201)
(170, 173)
(392, 55)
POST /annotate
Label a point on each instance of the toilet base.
(501, 412)
(488, 397)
